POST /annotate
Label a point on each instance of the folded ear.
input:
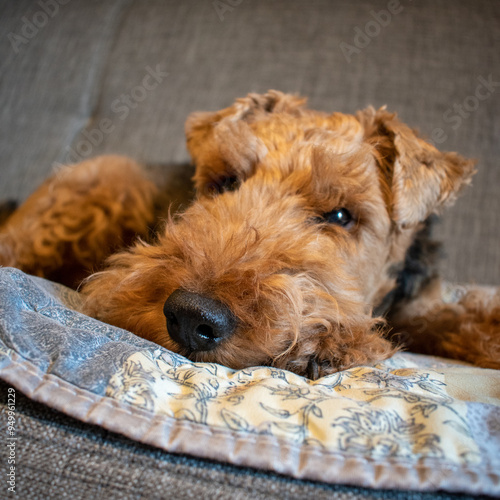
(223, 143)
(418, 179)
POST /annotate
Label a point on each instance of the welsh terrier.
(307, 247)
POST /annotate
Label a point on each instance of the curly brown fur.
(305, 223)
(77, 218)
(467, 329)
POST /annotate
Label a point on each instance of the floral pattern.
(392, 410)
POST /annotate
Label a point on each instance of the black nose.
(197, 322)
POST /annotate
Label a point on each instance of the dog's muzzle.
(197, 322)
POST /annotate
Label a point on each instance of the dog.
(308, 246)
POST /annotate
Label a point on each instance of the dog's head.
(300, 220)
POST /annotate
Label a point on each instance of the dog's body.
(306, 230)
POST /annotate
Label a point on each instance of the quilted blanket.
(413, 422)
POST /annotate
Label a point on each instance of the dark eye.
(223, 184)
(340, 216)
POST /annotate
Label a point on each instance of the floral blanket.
(413, 422)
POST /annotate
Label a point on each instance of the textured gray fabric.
(77, 66)
(59, 457)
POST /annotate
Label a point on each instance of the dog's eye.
(340, 216)
(223, 184)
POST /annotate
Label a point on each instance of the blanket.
(412, 422)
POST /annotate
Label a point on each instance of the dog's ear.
(417, 178)
(222, 144)
(221, 147)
